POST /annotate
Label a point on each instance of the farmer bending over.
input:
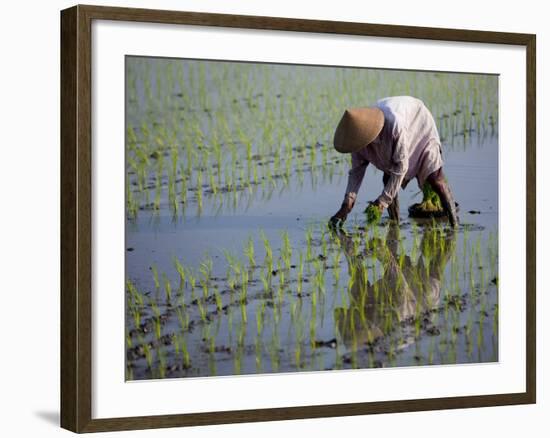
(398, 136)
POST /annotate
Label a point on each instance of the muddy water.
(422, 294)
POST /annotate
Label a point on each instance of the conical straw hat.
(357, 128)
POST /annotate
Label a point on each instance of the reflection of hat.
(357, 128)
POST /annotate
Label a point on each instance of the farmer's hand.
(339, 218)
(376, 203)
(341, 215)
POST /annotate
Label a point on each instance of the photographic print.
(296, 218)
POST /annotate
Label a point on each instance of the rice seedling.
(268, 261)
(206, 267)
(324, 246)
(161, 355)
(260, 314)
(249, 252)
(167, 288)
(192, 282)
(199, 180)
(134, 294)
(205, 289)
(146, 352)
(155, 276)
(131, 204)
(158, 192)
(185, 357)
(319, 276)
(156, 320)
(129, 340)
(373, 214)
(181, 271)
(183, 318)
(129, 373)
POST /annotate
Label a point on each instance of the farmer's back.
(409, 128)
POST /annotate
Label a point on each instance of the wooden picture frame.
(76, 217)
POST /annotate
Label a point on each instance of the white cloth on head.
(407, 147)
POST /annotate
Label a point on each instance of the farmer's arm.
(355, 177)
(400, 159)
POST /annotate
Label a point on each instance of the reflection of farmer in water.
(405, 288)
(398, 136)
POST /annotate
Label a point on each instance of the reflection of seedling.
(299, 339)
(172, 199)
(244, 286)
(281, 276)
(199, 189)
(243, 312)
(218, 298)
(309, 240)
(352, 272)
(156, 319)
(255, 175)
(258, 351)
(162, 362)
(265, 277)
(183, 187)
(260, 311)
(131, 203)
(356, 241)
(286, 252)
(146, 352)
(364, 276)
(300, 274)
(202, 311)
(336, 263)
(323, 245)
(156, 204)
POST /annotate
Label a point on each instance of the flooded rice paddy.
(230, 266)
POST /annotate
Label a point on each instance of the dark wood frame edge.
(76, 342)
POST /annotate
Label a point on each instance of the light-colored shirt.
(407, 147)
